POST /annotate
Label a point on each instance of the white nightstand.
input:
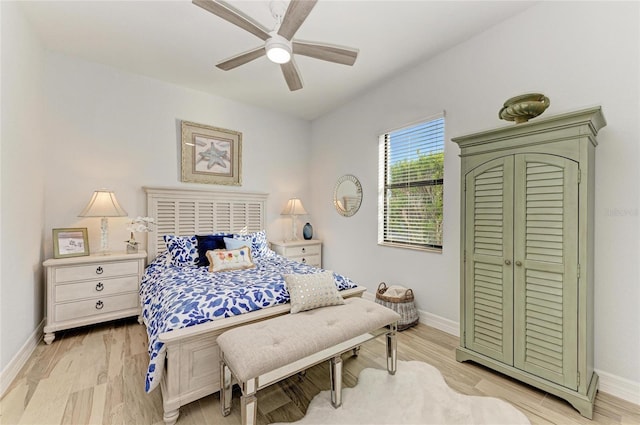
(92, 289)
(304, 251)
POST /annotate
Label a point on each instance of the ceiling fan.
(279, 45)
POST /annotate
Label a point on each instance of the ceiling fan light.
(278, 49)
(278, 55)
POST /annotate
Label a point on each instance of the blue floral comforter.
(176, 297)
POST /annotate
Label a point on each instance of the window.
(411, 175)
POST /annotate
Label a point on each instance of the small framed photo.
(70, 242)
(211, 155)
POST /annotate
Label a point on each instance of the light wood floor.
(95, 375)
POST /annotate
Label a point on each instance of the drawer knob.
(99, 287)
(304, 260)
(304, 250)
(99, 270)
(99, 305)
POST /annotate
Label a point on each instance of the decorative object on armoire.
(400, 300)
(524, 107)
(137, 225)
(527, 281)
(211, 155)
(294, 208)
(70, 242)
(347, 195)
(103, 204)
(307, 231)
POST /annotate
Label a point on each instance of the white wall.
(70, 127)
(106, 128)
(21, 186)
(580, 54)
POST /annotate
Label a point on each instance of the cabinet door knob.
(304, 260)
(99, 287)
(507, 262)
(518, 263)
(99, 270)
(304, 250)
(99, 305)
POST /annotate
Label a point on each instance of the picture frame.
(211, 155)
(70, 242)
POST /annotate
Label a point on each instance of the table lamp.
(103, 204)
(294, 208)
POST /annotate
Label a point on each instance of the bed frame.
(192, 355)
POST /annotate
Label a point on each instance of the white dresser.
(86, 290)
(303, 250)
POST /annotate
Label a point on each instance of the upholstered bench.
(263, 353)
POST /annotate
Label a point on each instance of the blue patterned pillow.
(183, 250)
(259, 244)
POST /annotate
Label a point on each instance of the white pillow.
(309, 291)
(221, 260)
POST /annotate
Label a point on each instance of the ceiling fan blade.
(295, 15)
(326, 52)
(291, 75)
(241, 59)
(234, 16)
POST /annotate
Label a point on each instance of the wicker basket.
(401, 301)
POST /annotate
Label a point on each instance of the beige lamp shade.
(103, 203)
(294, 207)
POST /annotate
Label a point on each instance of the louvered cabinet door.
(488, 253)
(546, 267)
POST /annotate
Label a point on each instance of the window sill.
(411, 247)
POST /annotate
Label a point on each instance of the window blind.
(411, 177)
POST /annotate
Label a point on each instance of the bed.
(185, 359)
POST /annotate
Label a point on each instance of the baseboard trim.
(20, 359)
(440, 323)
(611, 384)
(619, 387)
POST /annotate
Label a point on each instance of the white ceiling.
(178, 42)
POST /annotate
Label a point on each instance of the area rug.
(416, 394)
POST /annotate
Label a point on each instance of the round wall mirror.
(347, 195)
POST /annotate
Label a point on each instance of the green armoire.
(527, 226)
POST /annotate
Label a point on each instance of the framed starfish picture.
(211, 155)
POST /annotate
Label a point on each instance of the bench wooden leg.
(249, 402)
(392, 349)
(336, 381)
(226, 389)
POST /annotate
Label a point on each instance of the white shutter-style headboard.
(186, 212)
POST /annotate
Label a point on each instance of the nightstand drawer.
(95, 306)
(95, 271)
(307, 251)
(311, 260)
(95, 288)
(296, 251)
